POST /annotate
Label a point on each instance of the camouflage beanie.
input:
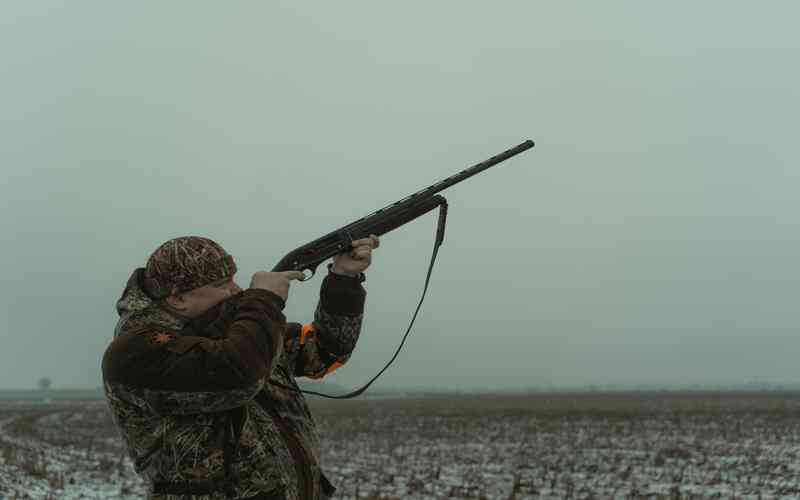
(185, 263)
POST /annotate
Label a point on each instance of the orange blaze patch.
(162, 337)
(330, 370)
(307, 330)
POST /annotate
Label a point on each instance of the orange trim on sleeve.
(330, 370)
(307, 330)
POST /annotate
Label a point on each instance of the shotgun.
(309, 256)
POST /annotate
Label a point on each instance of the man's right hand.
(277, 283)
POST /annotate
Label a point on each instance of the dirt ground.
(512, 446)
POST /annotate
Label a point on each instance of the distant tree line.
(45, 383)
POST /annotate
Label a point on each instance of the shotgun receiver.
(309, 256)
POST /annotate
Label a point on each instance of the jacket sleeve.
(318, 348)
(172, 373)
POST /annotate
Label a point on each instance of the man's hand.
(358, 259)
(277, 283)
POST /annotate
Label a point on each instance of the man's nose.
(235, 288)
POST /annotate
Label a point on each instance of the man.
(200, 374)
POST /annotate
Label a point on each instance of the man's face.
(195, 302)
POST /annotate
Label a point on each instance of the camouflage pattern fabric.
(186, 393)
(185, 263)
(136, 309)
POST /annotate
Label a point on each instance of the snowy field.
(592, 445)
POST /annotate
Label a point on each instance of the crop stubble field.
(511, 446)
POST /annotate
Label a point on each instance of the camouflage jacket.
(206, 406)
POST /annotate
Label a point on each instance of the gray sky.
(651, 236)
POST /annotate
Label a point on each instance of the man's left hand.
(358, 259)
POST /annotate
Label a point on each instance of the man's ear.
(177, 302)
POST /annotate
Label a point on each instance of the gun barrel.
(476, 169)
(454, 179)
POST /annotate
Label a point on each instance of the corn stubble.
(512, 446)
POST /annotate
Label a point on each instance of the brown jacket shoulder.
(149, 358)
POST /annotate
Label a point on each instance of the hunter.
(200, 375)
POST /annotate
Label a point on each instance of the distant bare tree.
(45, 383)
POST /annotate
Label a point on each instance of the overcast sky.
(652, 235)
